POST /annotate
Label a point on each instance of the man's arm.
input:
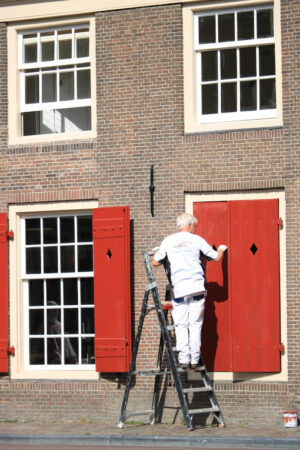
(221, 249)
(155, 263)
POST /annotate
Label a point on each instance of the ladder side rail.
(133, 359)
(167, 342)
(157, 377)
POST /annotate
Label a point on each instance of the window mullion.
(219, 81)
(238, 82)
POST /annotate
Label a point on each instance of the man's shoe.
(184, 366)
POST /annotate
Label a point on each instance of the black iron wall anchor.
(152, 189)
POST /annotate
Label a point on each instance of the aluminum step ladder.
(173, 370)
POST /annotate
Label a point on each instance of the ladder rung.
(198, 389)
(149, 372)
(204, 410)
(139, 413)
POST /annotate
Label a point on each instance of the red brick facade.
(139, 70)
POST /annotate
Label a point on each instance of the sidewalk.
(143, 434)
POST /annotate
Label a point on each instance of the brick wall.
(140, 123)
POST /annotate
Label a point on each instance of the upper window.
(55, 78)
(234, 57)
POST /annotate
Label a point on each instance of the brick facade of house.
(139, 70)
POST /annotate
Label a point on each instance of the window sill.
(51, 138)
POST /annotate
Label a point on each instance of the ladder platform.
(198, 389)
(204, 410)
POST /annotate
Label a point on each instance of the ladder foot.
(120, 425)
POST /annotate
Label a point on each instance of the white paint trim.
(280, 195)
(16, 300)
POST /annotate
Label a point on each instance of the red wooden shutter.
(255, 286)
(213, 226)
(111, 234)
(3, 295)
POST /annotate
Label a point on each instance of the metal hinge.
(5, 235)
(280, 222)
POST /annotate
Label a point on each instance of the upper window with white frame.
(55, 77)
(236, 64)
(232, 78)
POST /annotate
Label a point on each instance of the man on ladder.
(183, 250)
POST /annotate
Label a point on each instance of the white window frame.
(20, 368)
(194, 122)
(16, 81)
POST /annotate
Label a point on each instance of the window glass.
(32, 89)
(228, 97)
(47, 46)
(248, 96)
(226, 27)
(248, 62)
(267, 60)
(245, 25)
(209, 66)
(207, 29)
(59, 283)
(210, 99)
(49, 87)
(265, 27)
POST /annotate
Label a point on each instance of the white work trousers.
(188, 320)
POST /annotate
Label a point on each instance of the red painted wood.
(111, 234)
(241, 331)
(255, 286)
(3, 295)
(213, 226)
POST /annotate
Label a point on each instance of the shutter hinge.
(281, 348)
(11, 351)
(280, 222)
(5, 235)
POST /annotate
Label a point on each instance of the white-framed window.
(55, 77)
(232, 67)
(57, 277)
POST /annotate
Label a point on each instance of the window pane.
(31, 123)
(50, 230)
(70, 291)
(209, 66)
(71, 321)
(33, 260)
(50, 260)
(266, 60)
(84, 224)
(49, 87)
(53, 318)
(33, 231)
(67, 229)
(228, 64)
(265, 27)
(36, 292)
(210, 99)
(82, 42)
(85, 258)
(83, 84)
(72, 120)
(207, 29)
(71, 350)
(245, 25)
(267, 94)
(87, 291)
(53, 291)
(248, 96)
(228, 97)
(30, 48)
(54, 350)
(65, 44)
(36, 321)
(87, 351)
(66, 86)
(226, 27)
(31, 89)
(47, 46)
(248, 62)
(36, 351)
(87, 320)
(67, 259)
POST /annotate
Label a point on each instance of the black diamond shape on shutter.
(253, 249)
(109, 254)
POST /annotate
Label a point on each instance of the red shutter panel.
(213, 226)
(111, 235)
(254, 255)
(3, 295)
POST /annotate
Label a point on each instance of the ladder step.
(139, 413)
(198, 389)
(204, 410)
(150, 372)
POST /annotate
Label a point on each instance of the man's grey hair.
(185, 219)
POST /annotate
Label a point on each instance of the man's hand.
(222, 247)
